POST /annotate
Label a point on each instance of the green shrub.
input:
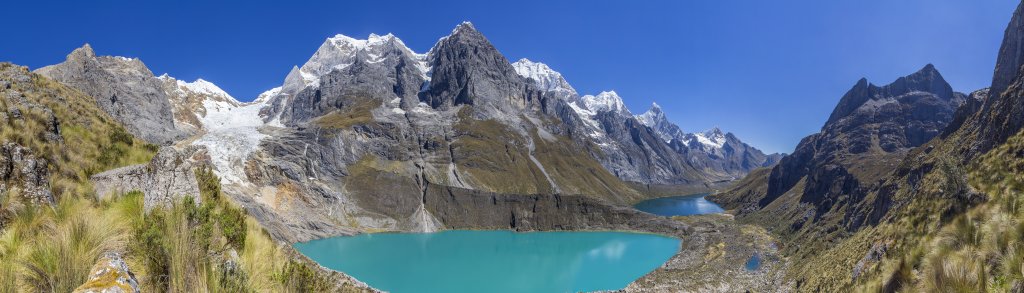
(209, 184)
(119, 135)
(232, 225)
(299, 277)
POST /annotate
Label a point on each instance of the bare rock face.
(468, 70)
(23, 172)
(1002, 114)
(384, 71)
(169, 176)
(122, 87)
(110, 275)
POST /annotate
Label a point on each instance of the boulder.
(110, 275)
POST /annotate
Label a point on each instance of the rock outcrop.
(110, 275)
(122, 87)
(168, 177)
(22, 173)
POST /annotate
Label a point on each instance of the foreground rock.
(110, 275)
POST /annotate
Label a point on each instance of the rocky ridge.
(122, 87)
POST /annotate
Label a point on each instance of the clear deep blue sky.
(768, 71)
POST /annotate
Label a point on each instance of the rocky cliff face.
(122, 87)
(467, 69)
(999, 117)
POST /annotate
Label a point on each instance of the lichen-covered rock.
(110, 275)
(170, 175)
(21, 171)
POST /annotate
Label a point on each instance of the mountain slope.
(827, 189)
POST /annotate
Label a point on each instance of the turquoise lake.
(685, 205)
(494, 261)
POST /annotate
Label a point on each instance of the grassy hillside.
(980, 250)
(89, 140)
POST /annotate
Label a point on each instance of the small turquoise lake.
(685, 205)
(494, 261)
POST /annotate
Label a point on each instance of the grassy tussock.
(52, 249)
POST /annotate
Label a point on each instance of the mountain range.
(357, 137)
(907, 186)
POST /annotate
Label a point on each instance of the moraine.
(494, 260)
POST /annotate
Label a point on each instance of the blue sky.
(768, 71)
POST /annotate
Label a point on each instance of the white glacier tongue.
(545, 77)
(605, 101)
(232, 133)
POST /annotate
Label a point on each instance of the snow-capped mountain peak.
(545, 77)
(202, 86)
(341, 51)
(713, 138)
(264, 97)
(605, 101)
(652, 117)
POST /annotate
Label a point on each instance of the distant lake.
(685, 205)
(494, 261)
